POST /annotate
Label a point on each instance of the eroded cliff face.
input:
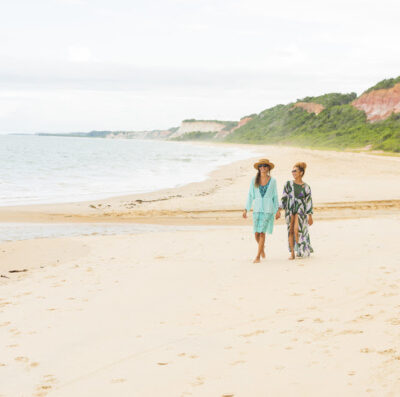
(198, 126)
(379, 104)
(310, 107)
(224, 133)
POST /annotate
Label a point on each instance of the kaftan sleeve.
(250, 197)
(275, 198)
(308, 201)
(285, 197)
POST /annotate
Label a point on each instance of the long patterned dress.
(302, 205)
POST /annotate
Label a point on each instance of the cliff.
(202, 126)
(334, 120)
(379, 104)
(310, 107)
(225, 132)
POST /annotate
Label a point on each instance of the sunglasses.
(294, 171)
(263, 165)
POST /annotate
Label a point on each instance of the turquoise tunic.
(265, 200)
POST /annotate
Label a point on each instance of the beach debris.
(18, 271)
(2, 275)
(162, 363)
(92, 206)
(139, 201)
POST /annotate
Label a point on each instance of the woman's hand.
(244, 214)
(310, 220)
(278, 214)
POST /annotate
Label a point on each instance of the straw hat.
(264, 161)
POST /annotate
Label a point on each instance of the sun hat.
(264, 161)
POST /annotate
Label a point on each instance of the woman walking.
(298, 206)
(264, 195)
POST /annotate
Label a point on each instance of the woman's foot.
(257, 260)
(291, 257)
(263, 254)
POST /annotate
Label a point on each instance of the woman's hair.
(257, 181)
(301, 166)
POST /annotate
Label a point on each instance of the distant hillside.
(152, 134)
(192, 129)
(331, 121)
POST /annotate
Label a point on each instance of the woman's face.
(264, 169)
(296, 172)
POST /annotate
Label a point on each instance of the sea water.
(50, 169)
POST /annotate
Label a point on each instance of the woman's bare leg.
(257, 237)
(261, 242)
(291, 237)
(296, 228)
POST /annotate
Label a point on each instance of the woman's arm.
(284, 199)
(285, 196)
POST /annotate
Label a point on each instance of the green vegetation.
(384, 84)
(228, 124)
(337, 126)
(195, 136)
(333, 99)
(91, 134)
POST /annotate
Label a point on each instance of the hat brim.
(271, 165)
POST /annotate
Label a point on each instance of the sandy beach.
(187, 313)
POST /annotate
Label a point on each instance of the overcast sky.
(80, 65)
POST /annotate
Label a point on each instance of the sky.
(82, 65)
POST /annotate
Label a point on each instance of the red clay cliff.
(379, 104)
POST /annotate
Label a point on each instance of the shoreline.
(220, 198)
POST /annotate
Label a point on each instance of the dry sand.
(187, 313)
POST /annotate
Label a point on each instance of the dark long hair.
(257, 181)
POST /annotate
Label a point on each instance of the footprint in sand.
(22, 359)
(364, 317)
(254, 333)
(118, 380)
(199, 381)
(44, 388)
(238, 362)
(366, 350)
(350, 332)
(387, 351)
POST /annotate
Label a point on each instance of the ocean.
(47, 169)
